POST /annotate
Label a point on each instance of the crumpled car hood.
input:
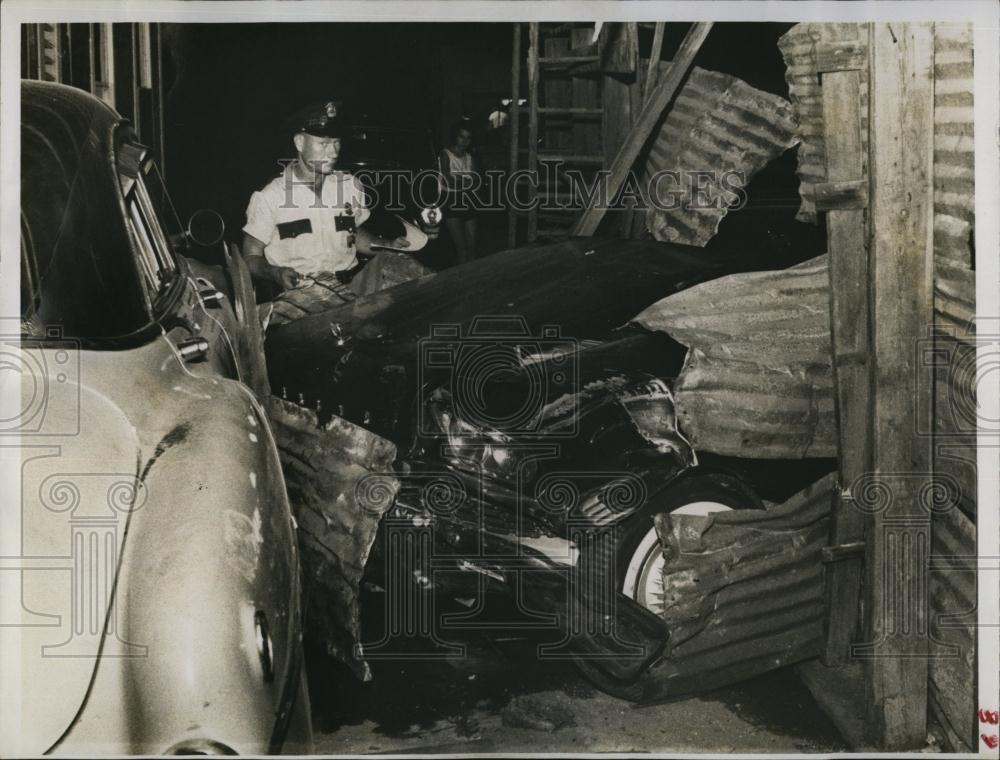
(586, 285)
(353, 359)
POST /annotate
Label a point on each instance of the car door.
(195, 321)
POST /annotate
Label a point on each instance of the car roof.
(71, 123)
(78, 269)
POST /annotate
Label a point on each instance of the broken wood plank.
(649, 116)
(901, 159)
(849, 326)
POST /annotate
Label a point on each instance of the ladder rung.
(566, 60)
(570, 111)
(573, 158)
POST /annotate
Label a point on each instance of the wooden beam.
(847, 194)
(898, 534)
(652, 110)
(618, 48)
(654, 60)
(533, 122)
(842, 55)
(847, 245)
(652, 69)
(515, 115)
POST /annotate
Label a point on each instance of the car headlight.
(491, 451)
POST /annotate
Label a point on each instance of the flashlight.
(431, 216)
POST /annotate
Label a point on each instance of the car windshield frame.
(151, 232)
(80, 260)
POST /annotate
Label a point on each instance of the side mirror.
(205, 228)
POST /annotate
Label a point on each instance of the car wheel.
(639, 562)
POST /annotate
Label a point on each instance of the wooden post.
(654, 61)
(646, 89)
(515, 115)
(533, 123)
(901, 95)
(648, 118)
(847, 246)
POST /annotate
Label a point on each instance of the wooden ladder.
(565, 117)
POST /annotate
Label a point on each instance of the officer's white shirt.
(298, 228)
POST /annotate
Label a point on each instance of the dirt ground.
(498, 697)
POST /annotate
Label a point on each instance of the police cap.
(318, 119)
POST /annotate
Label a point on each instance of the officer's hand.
(399, 242)
(285, 277)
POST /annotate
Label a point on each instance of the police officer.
(308, 219)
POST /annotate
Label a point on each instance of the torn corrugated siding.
(743, 591)
(723, 127)
(951, 367)
(954, 186)
(338, 492)
(954, 170)
(798, 48)
(757, 381)
(952, 589)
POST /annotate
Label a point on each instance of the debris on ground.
(532, 712)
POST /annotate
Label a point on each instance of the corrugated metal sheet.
(953, 372)
(954, 185)
(338, 494)
(717, 124)
(954, 171)
(952, 584)
(758, 380)
(744, 591)
(953, 602)
(955, 298)
(798, 48)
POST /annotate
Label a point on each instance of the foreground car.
(531, 425)
(174, 626)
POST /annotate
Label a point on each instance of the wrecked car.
(159, 609)
(534, 426)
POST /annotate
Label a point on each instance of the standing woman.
(459, 179)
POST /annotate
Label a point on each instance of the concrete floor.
(424, 701)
